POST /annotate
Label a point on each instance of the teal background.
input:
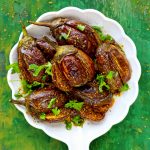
(131, 134)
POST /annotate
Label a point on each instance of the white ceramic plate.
(79, 138)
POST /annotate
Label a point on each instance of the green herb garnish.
(44, 77)
(37, 69)
(64, 35)
(107, 37)
(110, 75)
(15, 68)
(74, 104)
(37, 84)
(80, 27)
(101, 35)
(51, 103)
(78, 121)
(18, 95)
(97, 28)
(48, 68)
(56, 111)
(68, 125)
(43, 116)
(102, 83)
(125, 87)
(28, 88)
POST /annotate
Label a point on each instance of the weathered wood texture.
(131, 134)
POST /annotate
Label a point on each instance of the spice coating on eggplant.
(109, 57)
(85, 66)
(47, 47)
(91, 96)
(73, 32)
(64, 114)
(88, 112)
(71, 68)
(28, 54)
(40, 99)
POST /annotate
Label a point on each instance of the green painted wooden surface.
(131, 134)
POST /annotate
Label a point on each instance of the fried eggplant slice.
(91, 96)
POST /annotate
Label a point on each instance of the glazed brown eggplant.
(64, 114)
(28, 54)
(37, 103)
(76, 33)
(39, 99)
(95, 113)
(109, 57)
(90, 94)
(80, 63)
(47, 47)
(71, 67)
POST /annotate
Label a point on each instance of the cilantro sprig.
(74, 104)
(101, 79)
(80, 27)
(68, 125)
(51, 102)
(110, 75)
(101, 35)
(15, 68)
(18, 95)
(56, 111)
(125, 87)
(37, 69)
(64, 35)
(102, 83)
(78, 121)
(43, 116)
(28, 88)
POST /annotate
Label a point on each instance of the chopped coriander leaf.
(68, 125)
(108, 37)
(56, 111)
(97, 28)
(48, 68)
(37, 69)
(125, 87)
(80, 27)
(101, 35)
(110, 75)
(18, 95)
(51, 102)
(74, 104)
(25, 85)
(36, 83)
(64, 35)
(44, 77)
(28, 88)
(15, 68)
(102, 83)
(78, 121)
(43, 116)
